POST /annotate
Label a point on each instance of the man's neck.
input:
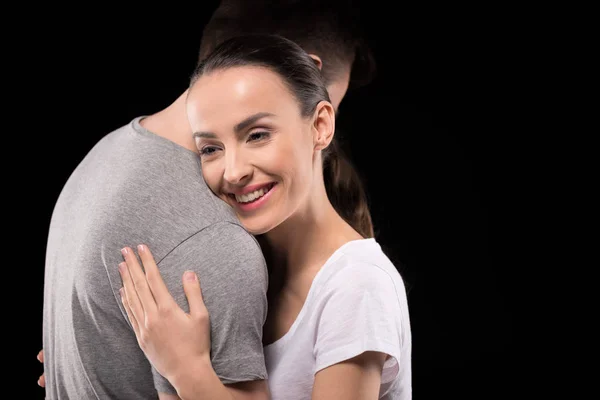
(172, 123)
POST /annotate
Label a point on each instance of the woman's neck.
(304, 242)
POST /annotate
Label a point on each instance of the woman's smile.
(252, 197)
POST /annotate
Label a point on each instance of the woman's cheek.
(210, 173)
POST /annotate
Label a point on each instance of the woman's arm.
(203, 383)
(358, 378)
(176, 343)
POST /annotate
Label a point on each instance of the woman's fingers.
(42, 379)
(155, 281)
(129, 293)
(138, 283)
(193, 292)
(130, 314)
(145, 294)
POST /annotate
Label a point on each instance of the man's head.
(329, 30)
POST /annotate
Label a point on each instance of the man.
(142, 184)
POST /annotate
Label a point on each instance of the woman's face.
(255, 147)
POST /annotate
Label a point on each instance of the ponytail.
(345, 190)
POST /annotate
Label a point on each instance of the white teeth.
(246, 198)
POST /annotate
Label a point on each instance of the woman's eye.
(207, 151)
(257, 136)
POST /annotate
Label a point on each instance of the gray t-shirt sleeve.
(234, 280)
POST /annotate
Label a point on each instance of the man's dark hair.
(330, 29)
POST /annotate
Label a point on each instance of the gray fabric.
(136, 187)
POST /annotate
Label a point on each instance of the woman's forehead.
(239, 81)
(236, 92)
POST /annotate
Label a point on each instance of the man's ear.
(317, 60)
(323, 125)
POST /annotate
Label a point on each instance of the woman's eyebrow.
(238, 127)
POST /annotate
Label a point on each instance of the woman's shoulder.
(365, 255)
(361, 265)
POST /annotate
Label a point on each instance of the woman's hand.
(172, 339)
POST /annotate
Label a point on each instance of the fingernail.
(141, 248)
(124, 251)
(122, 267)
(190, 276)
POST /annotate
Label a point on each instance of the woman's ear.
(317, 60)
(323, 125)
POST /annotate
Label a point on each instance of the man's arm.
(233, 276)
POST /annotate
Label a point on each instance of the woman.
(338, 324)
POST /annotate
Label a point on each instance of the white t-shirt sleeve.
(360, 312)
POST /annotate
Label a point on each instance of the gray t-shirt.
(137, 187)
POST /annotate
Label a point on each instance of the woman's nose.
(236, 169)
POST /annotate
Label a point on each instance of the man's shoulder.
(225, 239)
(128, 127)
(222, 253)
(107, 141)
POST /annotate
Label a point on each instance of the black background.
(420, 134)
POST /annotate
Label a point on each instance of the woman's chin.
(256, 230)
(256, 227)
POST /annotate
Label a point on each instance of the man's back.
(136, 187)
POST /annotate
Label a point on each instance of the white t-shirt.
(356, 303)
